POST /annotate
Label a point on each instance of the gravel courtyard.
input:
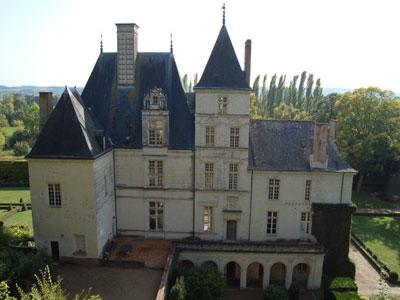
(111, 282)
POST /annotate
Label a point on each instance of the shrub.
(21, 148)
(393, 276)
(14, 173)
(178, 291)
(343, 284)
(204, 282)
(346, 296)
(274, 292)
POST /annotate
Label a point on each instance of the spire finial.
(171, 46)
(101, 43)
(223, 14)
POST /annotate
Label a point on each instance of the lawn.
(13, 194)
(21, 218)
(367, 200)
(382, 236)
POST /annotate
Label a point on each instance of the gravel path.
(110, 282)
(366, 277)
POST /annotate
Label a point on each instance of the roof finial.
(101, 43)
(171, 47)
(223, 14)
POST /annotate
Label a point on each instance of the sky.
(346, 43)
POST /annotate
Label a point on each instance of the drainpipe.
(115, 195)
(194, 192)
(251, 203)
(341, 189)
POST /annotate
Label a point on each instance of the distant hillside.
(33, 90)
(328, 90)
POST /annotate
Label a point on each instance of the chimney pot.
(247, 60)
(46, 106)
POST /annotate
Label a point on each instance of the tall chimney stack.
(319, 157)
(127, 37)
(247, 60)
(46, 106)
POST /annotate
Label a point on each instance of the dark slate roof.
(191, 101)
(287, 146)
(223, 69)
(70, 131)
(119, 109)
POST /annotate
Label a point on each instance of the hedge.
(346, 296)
(343, 284)
(14, 173)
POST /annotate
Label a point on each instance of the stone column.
(243, 277)
(289, 275)
(267, 270)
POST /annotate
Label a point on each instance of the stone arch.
(232, 274)
(186, 264)
(211, 264)
(301, 272)
(255, 275)
(277, 274)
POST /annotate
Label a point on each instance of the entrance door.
(55, 253)
(231, 230)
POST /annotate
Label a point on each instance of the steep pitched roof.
(223, 69)
(70, 131)
(287, 146)
(119, 109)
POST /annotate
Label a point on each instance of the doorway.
(231, 229)
(55, 251)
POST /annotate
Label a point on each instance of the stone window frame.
(156, 173)
(156, 132)
(210, 135)
(156, 213)
(208, 217)
(274, 189)
(233, 176)
(305, 222)
(54, 194)
(209, 175)
(272, 222)
(307, 190)
(234, 137)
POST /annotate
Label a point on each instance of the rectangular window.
(272, 221)
(156, 132)
(80, 244)
(156, 173)
(233, 176)
(222, 105)
(273, 189)
(209, 175)
(207, 218)
(307, 192)
(305, 222)
(234, 137)
(156, 215)
(54, 194)
(210, 135)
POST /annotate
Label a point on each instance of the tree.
(369, 135)
(185, 82)
(288, 112)
(3, 121)
(204, 283)
(32, 122)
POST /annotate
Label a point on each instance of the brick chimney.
(46, 106)
(127, 37)
(247, 60)
(319, 157)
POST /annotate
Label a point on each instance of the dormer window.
(156, 132)
(155, 99)
(222, 105)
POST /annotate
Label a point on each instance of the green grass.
(382, 236)
(13, 194)
(367, 200)
(20, 218)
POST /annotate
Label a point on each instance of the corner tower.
(222, 119)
